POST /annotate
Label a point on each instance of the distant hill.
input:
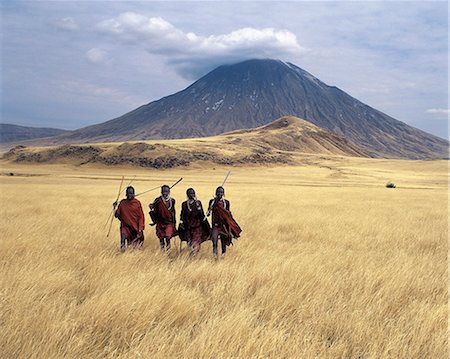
(253, 93)
(14, 133)
(284, 141)
(293, 134)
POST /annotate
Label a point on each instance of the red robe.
(196, 229)
(131, 218)
(165, 218)
(223, 219)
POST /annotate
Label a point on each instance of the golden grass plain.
(331, 264)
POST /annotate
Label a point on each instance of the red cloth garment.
(131, 215)
(165, 218)
(195, 237)
(223, 219)
(192, 213)
(193, 218)
(131, 235)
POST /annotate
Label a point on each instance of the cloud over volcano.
(193, 55)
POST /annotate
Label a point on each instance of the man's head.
(130, 192)
(190, 193)
(220, 192)
(165, 191)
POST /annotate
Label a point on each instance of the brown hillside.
(291, 133)
(280, 142)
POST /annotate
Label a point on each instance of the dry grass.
(331, 265)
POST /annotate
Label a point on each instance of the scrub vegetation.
(331, 264)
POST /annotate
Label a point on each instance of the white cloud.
(192, 54)
(96, 56)
(67, 23)
(86, 90)
(439, 112)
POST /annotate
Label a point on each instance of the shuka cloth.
(223, 219)
(131, 217)
(192, 215)
(164, 213)
(131, 235)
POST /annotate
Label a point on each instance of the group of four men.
(194, 227)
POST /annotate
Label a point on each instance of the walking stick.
(151, 189)
(128, 185)
(171, 188)
(120, 191)
(112, 216)
(225, 179)
(176, 183)
(157, 187)
(223, 184)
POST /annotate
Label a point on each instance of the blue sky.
(71, 64)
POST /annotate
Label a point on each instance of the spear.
(152, 189)
(225, 179)
(171, 188)
(176, 183)
(129, 183)
(112, 212)
(223, 184)
(120, 190)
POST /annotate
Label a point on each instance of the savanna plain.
(330, 264)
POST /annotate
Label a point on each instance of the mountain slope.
(253, 93)
(14, 133)
(284, 141)
(293, 134)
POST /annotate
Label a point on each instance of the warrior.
(223, 224)
(132, 220)
(194, 226)
(162, 212)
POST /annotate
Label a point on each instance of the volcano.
(254, 93)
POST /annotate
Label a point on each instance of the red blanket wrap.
(165, 218)
(131, 215)
(224, 221)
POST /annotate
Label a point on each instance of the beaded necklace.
(168, 199)
(223, 200)
(189, 201)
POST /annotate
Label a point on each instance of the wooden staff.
(128, 185)
(176, 183)
(225, 179)
(223, 184)
(171, 188)
(120, 190)
(152, 189)
(112, 212)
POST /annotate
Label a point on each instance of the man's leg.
(196, 236)
(161, 244)
(195, 247)
(223, 242)
(139, 243)
(214, 237)
(123, 242)
(167, 239)
(136, 241)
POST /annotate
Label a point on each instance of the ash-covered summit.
(255, 92)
